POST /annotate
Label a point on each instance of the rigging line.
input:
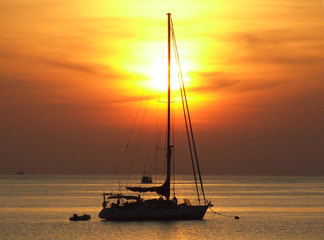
(220, 214)
(138, 136)
(192, 136)
(174, 149)
(162, 136)
(157, 133)
(154, 124)
(124, 154)
(178, 151)
(184, 110)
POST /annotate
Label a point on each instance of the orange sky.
(72, 72)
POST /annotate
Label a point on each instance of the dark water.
(39, 207)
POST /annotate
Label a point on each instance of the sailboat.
(146, 178)
(120, 207)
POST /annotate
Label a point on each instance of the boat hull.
(149, 214)
(84, 217)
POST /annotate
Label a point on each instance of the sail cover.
(163, 190)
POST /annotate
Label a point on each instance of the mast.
(164, 189)
(169, 148)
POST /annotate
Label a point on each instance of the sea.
(268, 207)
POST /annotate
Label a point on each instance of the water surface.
(269, 207)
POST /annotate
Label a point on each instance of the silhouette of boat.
(84, 217)
(119, 207)
(146, 178)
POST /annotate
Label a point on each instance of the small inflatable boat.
(80, 218)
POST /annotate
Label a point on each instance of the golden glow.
(159, 74)
(110, 52)
(75, 71)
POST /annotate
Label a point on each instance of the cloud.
(124, 100)
(227, 83)
(280, 46)
(83, 67)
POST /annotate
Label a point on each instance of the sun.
(159, 74)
